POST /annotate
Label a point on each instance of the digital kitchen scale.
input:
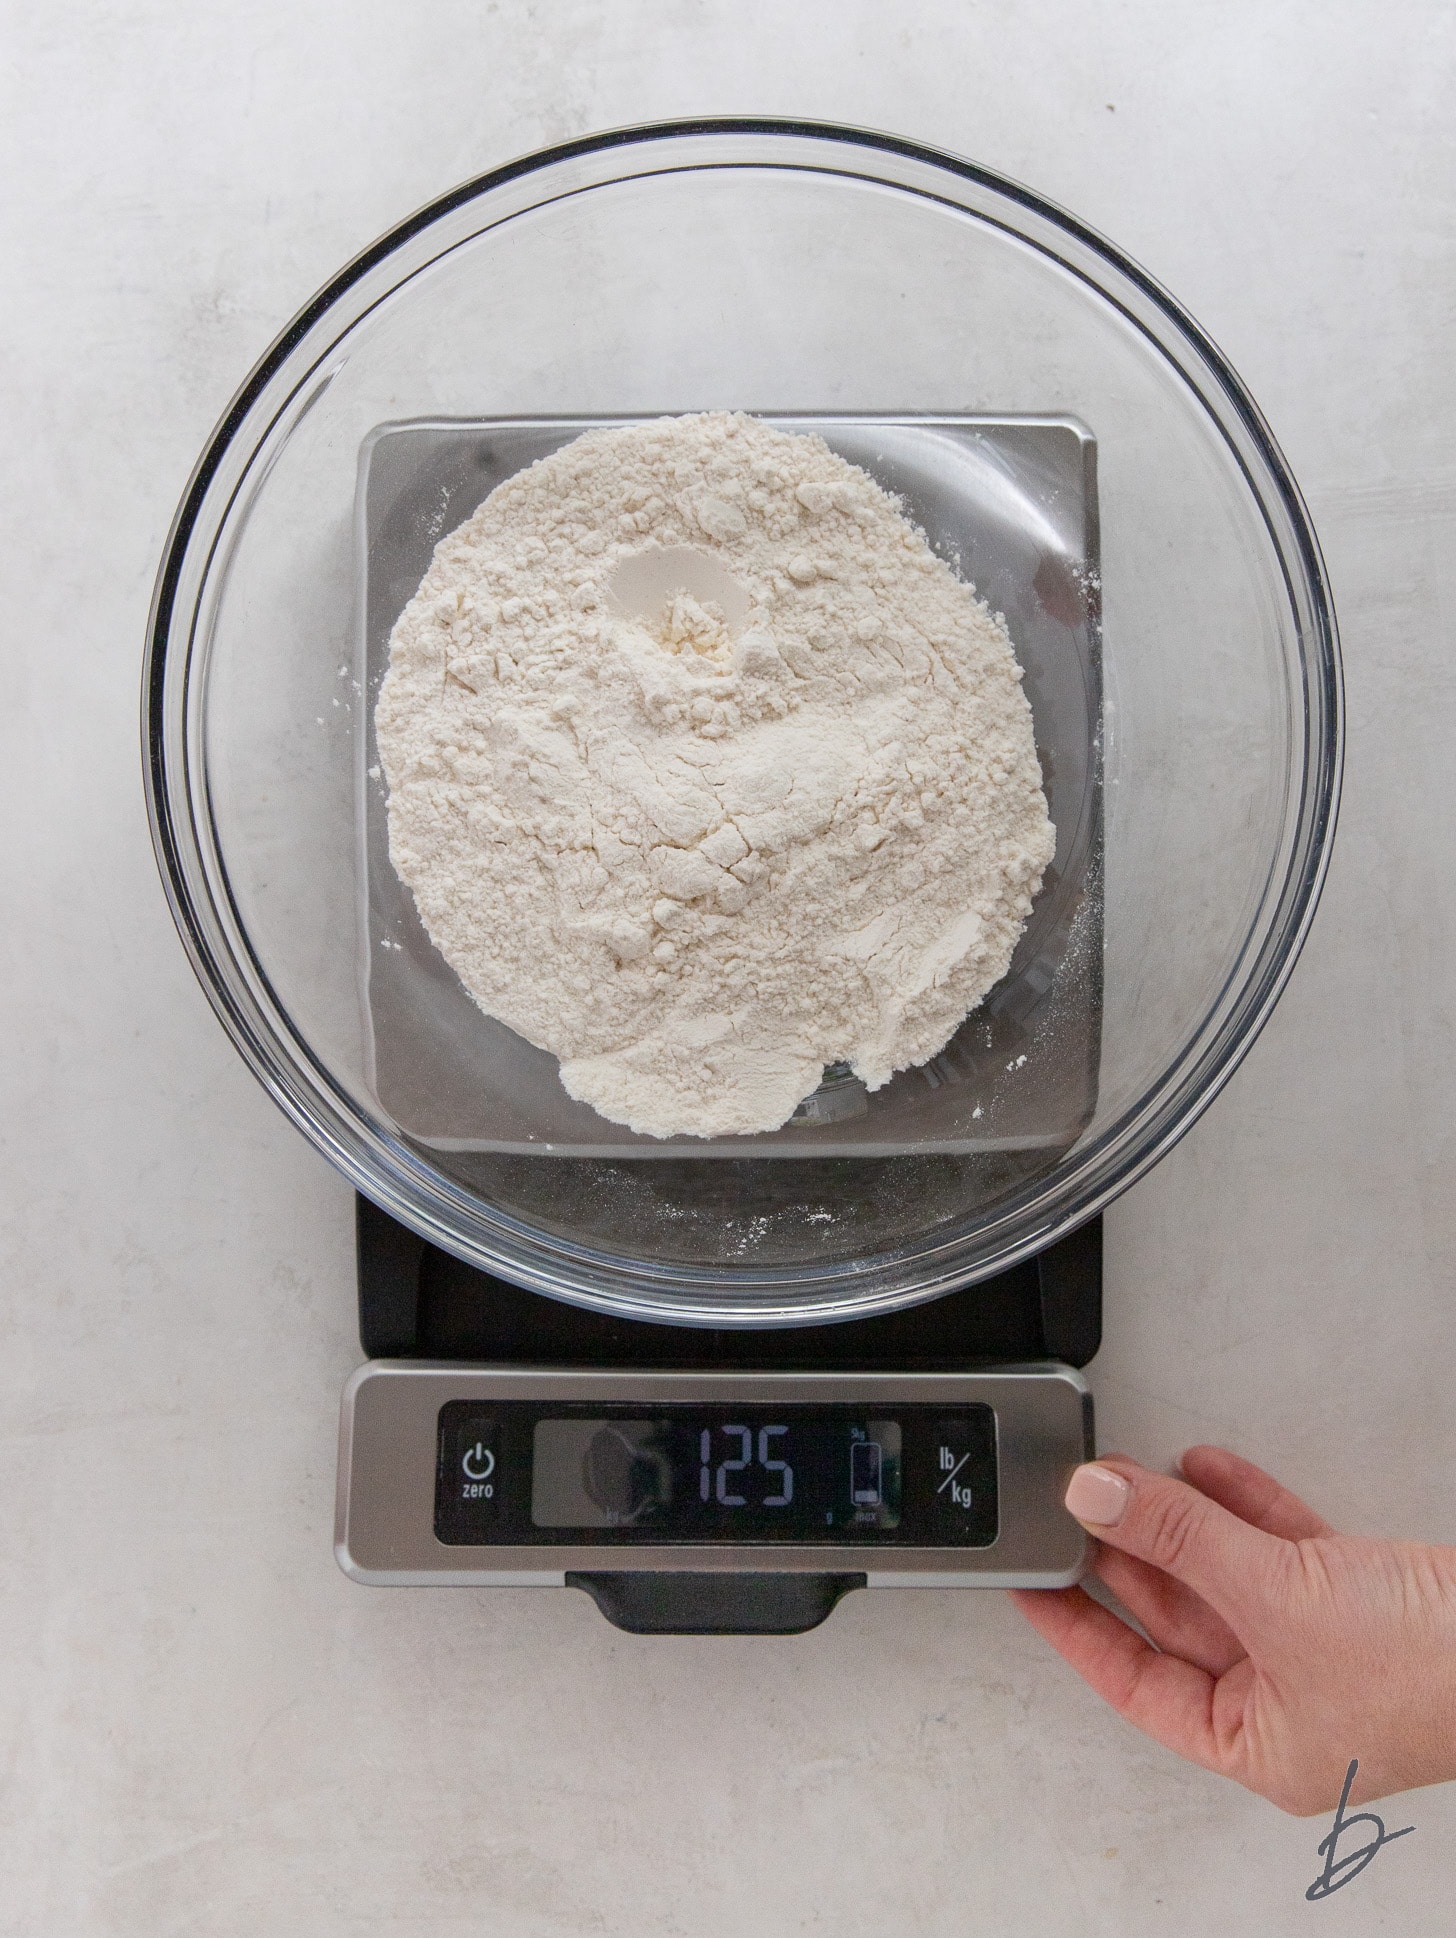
(737, 1480)
(696, 1481)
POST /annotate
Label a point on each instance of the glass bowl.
(1063, 433)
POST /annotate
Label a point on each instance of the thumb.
(1172, 1526)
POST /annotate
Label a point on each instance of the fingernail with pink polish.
(1098, 1495)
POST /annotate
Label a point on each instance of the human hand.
(1283, 1648)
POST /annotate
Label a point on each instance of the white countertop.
(205, 1728)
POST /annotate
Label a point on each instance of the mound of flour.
(705, 773)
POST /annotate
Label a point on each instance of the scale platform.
(700, 1481)
(1012, 503)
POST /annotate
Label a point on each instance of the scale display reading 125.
(521, 1473)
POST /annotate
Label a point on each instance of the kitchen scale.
(712, 1482)
(716, 1479)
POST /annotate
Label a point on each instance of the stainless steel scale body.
(454, 1349)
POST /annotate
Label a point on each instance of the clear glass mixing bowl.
(1168, 597)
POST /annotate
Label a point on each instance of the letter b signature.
(1335, 1873)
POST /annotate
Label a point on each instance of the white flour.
(703, 824)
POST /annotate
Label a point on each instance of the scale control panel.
(516, 1477)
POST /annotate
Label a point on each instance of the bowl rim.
(323, 1109)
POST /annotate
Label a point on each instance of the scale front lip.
(384, 1534)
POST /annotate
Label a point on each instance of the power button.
(469, 1475)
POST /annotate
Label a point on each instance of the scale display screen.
(515, 1473)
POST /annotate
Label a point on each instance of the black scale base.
(417, 1302)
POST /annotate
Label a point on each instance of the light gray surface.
(205, 1728)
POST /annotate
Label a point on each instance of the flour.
(706, 773)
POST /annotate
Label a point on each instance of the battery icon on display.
(864, 1473)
